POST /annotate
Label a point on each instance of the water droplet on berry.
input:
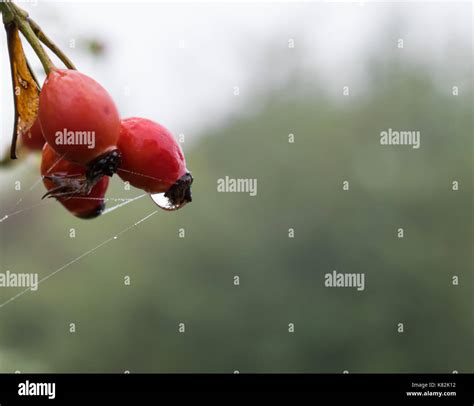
(164, 202)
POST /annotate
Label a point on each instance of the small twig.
(50, 44)
(7, 15)
(20, 18)
(11, 12)
(11, 31)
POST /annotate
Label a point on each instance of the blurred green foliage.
(245, 327)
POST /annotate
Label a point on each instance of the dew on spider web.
(164, 202)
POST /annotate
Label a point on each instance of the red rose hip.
(80, 121)
(57, 172)
(152, 160)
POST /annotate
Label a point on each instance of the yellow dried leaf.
(25, 88)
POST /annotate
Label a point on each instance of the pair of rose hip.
(76, 173)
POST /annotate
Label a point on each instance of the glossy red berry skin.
(33, 138)
(86, 207)
(152, 160)
(71, 102)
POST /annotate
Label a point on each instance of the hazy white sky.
(178, 62)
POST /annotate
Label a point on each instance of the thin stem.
(50, 44)
(6, 13)
(12, 31)
(20, 17)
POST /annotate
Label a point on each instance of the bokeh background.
(235, 80)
